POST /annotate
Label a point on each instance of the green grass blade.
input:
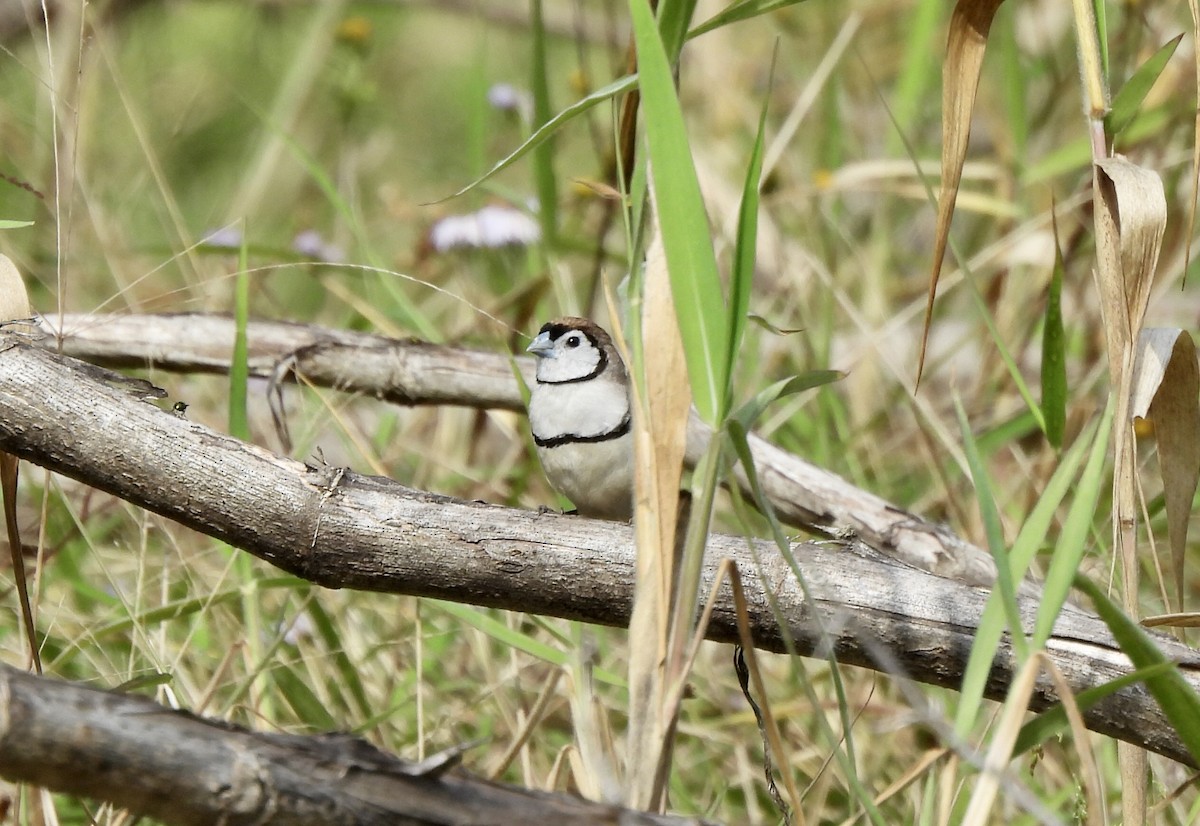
(673, 19)
(185, 607)
(543, 153)
(1054, 356)
(10, 224)
(1099, 9)
(152, 680)
(995, 534)
(479, 619)
(1053, 720)
(1128, 100)
(296, 692)
(239, 427)
(910, 97)
(1073, 539)
(991, 626)
(745, 253)
(239, 366)
(985, 315)
(683, 222)
(1015, 82)
(548, 129)
(1074, 155)
(1174, 695)
(748, 413)
(737, 12)
(349, 676)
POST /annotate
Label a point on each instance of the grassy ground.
(131, 140)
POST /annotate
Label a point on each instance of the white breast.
(585, 408)
(596, 476)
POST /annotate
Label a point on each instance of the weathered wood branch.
(342, 530)
(186, 770)
(413, 373)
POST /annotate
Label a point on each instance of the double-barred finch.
(580, 415)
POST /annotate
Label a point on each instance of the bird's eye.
(573, 341)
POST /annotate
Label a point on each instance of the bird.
(579, 412)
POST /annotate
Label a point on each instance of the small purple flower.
(507, 98)
(492, 227)
(224, 238)
(310, 244)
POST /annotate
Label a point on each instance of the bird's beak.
(542, 346)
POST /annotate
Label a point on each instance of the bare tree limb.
(342, 530)
(186, 770)
(412, 373)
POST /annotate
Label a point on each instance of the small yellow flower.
(354, 30)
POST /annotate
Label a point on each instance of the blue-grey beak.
(542, 346)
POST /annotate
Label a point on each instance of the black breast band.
(574, 439)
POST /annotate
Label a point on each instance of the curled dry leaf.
(1166, 391)
(965, 44)
(1131, 214)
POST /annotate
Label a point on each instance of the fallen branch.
(182, 769)
(342, 530)
(417, 373)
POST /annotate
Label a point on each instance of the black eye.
(573, 341)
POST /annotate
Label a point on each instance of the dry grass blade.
(965, 45)
(1003, 738)
(1194, 8)
(1189, 619)
(1130, 215)
(545, 697)
(768, 725)
(661, 407)
(1166, 390)
(594, 762)
(728, 570)
(1093, 786)
(1092, 71)
(924, 763)
(14, 306)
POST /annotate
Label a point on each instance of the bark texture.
(418, 373)
(342, 530)
(189, 771)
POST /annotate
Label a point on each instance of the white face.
(566, 355)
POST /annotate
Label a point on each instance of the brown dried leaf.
(659, 432)
(965, 45)
(1166, 390)
(14, 306)
(14, 299)
(1131, 214)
